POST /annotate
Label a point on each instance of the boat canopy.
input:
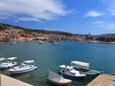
(2, 59)
(81, 64)
(12, 58)
(28, 61)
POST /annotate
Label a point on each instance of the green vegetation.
(5, 26)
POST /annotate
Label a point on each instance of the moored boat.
(7, 63)
(24, 67)
(40, 42)
(58, 79)
(77, 70)
(71, 73)
(84, 67)
(55, 43)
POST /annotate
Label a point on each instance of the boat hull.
(7, 66)
(58, 84)
(72, 77)
(24, 71)
(89, 72)
(92, 73)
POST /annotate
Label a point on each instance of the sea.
(49, 56)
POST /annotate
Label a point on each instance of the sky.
(75, 16)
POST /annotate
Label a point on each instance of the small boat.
(92, 41)
(58, 79)
(7, 63)
(71, 73)
(26, 66)
(14, 42)
(84, 67)
(55, 43)
(40, 42)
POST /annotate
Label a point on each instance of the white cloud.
(29, 19)
(105, 25)
(93, 13)
(32, 9)
(110, 6)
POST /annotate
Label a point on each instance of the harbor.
(57, 43)
(103, 80)
(63, 54)
(100, 80)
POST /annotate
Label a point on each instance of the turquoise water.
(48, 56)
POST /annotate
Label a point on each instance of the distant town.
(16, 33)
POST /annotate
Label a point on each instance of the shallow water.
(48, 56)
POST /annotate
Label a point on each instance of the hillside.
(6, 26)
(10, 33)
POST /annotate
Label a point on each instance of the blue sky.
(76, 16)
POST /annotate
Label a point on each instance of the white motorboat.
(84, 67)
(58, 79)
(70, 72)
(7, 63)
(26, 66)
